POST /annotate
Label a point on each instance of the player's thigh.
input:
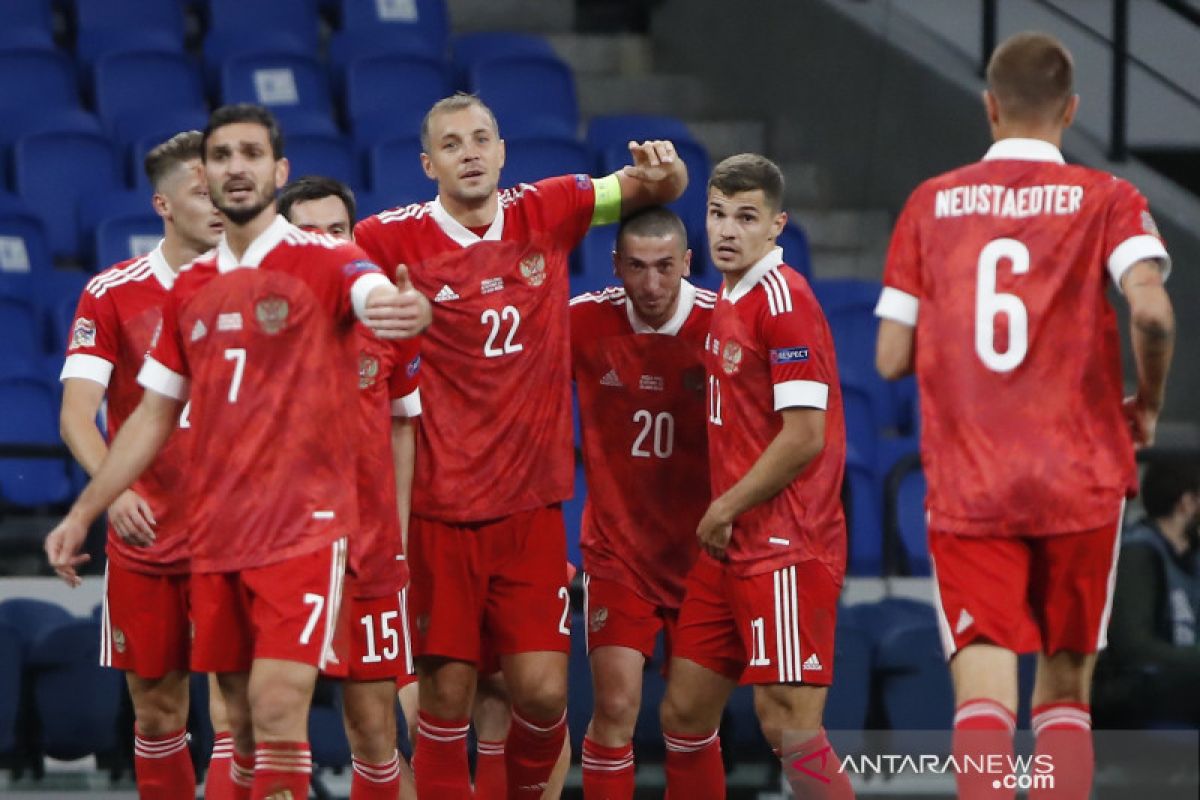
(217, 714)
(616, 616)
(985, 671)
(616, 683)
(280, 693)
(369, 709)
(160, 705)
(536, 681)
(447, 588)
(791, 712)
(528, 604)
(446, 687)
(295, 605)
(144, 623)
(706, 633)
(695, 698)
(1065, 677)
(982, 585)
(1071, 588)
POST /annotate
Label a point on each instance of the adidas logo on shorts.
(812, 664)
(445, 294)
(611, 379)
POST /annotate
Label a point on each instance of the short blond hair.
(448, 105)
(179, 149)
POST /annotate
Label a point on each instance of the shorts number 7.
(318, 603)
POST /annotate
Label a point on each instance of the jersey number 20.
(990, 304)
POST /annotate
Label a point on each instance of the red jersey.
(645, 449)
(1018, 361)
(115, 321)
(262, 347)
(496, 436)
(387, 387)
(770, 349)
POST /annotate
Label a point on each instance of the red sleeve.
(94, 331)
(902, 271)
(167, 347)
(368, 236)
(404, 378)
(1130, 233)
(353, 271)
(564, 207)
(800, 352)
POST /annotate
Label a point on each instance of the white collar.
(258, 249)
(1016, 149)
(753, 275)
(683, 309)
(461, 234)
(159, 266)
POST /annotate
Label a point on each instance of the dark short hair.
(1032, 77)
(244, 112)
(447, 105)
(164, 157)
(1164, 482)
(656, 221)
(746, 172)
(315, 187)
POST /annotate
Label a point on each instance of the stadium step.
(597, 54)
(805, 184)
(724, 138)
(841, 263)
(529, 16)
(845, 228)
(682, 96)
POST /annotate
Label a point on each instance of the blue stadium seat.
(222, 45)
(374, 202)
(23, 247)
(30, 417)
(124, 237)
(907, 406)
(573, 515)
(387, 96)
(504, 84)
(140, 132)
(95, 43)
(864, 517)
(396, 172)
(149, 15)
(909, 520)
(25, 39)
(145, 82)
(96, 207)
(11, 669)
(298, 121)
(330, 156)
(849, 696)
(32, 620)
(531, 160)
(838, 293)
(606, 130)
(77, 701)
(297, 17)
(427, 19)
(277, 81)
(861, 431)
(915, 681)
(52, 170)
(56, 295)
(326, 731)
(691, 207)
(471, 48)
(795, 248)
(594, 260)
(19, 328)
(37, 78)
(32, 15)
(347, 45)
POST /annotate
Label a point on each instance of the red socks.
(280, 768)
(241, 776)
(607, 771)
(982, 728)
(693, 766)
(814, 771)
(163, 765)
(218, 782)
(491, 782)
(531, 753)
(375, 781)
(1063, 731)
(440, 759)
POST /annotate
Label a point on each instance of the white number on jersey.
(989, 304)
(714, 400)
(238, 356)
(496, 319)
(758, 644)
(663, 426)
(389, 634)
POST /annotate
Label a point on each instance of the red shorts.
(777, 627)
(502, 579)
(287, 610)
(619, 617)
(144, 625)
(378, 639)
(1026, 594)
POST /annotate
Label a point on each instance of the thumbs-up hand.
(399, 311)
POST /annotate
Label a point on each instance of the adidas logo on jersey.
(445, 294)
(199, 331)
(611, 379)
(812, 664)
(965, 620)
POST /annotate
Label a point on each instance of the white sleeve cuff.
(157, 378)
(1134, 249)
(897, 306)
(806, 394)
(407, 406)
(363, 287)
(92, 368)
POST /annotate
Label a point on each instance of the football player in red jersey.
(378, 650)
(145, 613)
(761, 600)
(254, 336)
(1026, 444)
(637, 354)
(494, 457)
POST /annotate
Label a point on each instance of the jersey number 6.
(989, 304)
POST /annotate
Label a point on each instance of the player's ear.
(687, 262)
(778, 223)
(991, 107)
(282, 168)
(1069, 112)
(503, 153)
(162, 206)
(427, 165)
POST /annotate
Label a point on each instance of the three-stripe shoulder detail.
(779, 296)
(139, 270)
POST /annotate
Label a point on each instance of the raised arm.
(657, 176)
(1152, 330)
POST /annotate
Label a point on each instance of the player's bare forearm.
(894, 349)
(136, 445)
(657, 176)
(404, 450)
(77, 422)
(1152, 330)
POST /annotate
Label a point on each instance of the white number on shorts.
(238, 356)
(564, 624)
(389, 635)
(318, 603)
(758, 644)
(185, 416)
(714, 400)
(493, 317)
(663, 426)
(989, 304)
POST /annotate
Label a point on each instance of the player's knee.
(372, 736)
(617, 708)
(678, 714)
(542, 702)
(161, 707)
(280, 710)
